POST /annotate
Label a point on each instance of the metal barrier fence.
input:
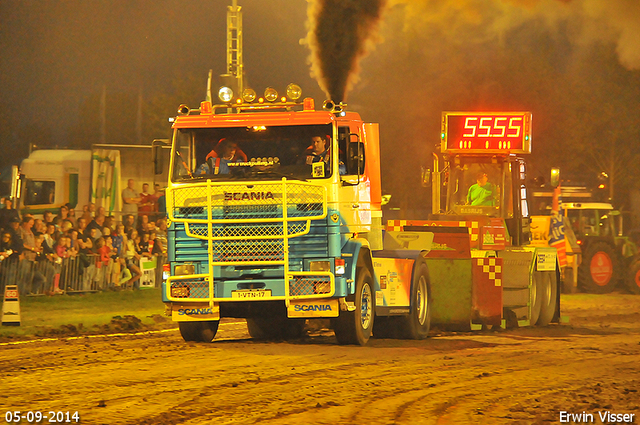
(76, 274)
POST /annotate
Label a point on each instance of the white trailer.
(51, 178)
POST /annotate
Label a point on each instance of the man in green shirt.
(482, 193)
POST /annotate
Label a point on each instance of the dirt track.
(520, 376)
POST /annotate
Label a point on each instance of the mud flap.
(313, 308)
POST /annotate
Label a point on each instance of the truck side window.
(343, 140)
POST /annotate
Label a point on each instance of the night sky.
(574, 64)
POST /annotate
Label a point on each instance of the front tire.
(199, 331)
(354, 327)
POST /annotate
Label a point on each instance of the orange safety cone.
(11, 306)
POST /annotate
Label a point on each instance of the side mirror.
(425, 177)
(158, 157)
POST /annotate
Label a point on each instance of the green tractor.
(601, 253)
(607, 255)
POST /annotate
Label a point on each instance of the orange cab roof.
(244, 119)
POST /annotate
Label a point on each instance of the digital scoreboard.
(486, 132)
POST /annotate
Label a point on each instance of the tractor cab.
(482, 177)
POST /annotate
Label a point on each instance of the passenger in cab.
(482, 193)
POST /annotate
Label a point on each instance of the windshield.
(253, 153)
(477, 188)
(591, 222)
(39, 192)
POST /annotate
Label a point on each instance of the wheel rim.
(601, 268)
(421, 300)
(365, 307)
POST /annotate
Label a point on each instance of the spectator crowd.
(83, 251)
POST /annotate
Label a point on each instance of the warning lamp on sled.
(225, 94)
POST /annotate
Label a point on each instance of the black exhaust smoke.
(340, 33)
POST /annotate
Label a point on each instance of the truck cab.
(54, 177)
(258, 213)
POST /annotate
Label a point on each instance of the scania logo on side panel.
(194, 311)
(247, 196)
(320, 307)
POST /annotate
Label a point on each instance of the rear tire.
(417, 324)
(599, 271)
(633, 278)
(199, 331)
(354, 327)
(547, 294)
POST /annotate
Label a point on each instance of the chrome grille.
(239, 231)
(247, 201)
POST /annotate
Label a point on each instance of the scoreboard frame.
(486, 132)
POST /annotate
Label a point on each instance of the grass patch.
(89, 313)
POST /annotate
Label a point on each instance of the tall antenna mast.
(235, 64)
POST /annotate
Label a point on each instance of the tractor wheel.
(416, 325)
(537, 289)
(547, 294)
(599, 271)
(199, 331)
(354, 327)
(633, 277)
(275, 328)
